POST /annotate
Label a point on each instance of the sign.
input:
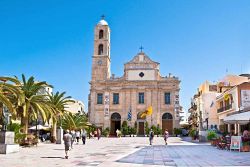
(176, 104)
(245, 98)
(106, 104)
(235, 143)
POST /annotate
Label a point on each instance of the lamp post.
(36, 124)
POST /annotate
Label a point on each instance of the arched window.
(116, 116)
(100, 34)
(167, 116)
(100, 49)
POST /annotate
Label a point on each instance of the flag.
(148, 112)
(211, 105)
(129, 114)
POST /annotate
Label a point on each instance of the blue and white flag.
(129, 114)
(211, 105)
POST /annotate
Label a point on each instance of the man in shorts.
(67, 142)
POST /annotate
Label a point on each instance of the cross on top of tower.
(103, 17)
(141, 48)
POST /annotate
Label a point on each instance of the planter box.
(245, 148)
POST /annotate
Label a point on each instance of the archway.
(167, 122)
(115, 123)
(141, 124)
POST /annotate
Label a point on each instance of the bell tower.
(101, 57)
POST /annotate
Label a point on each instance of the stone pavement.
(126, 152)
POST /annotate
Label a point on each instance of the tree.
(10, 95)
(58, 103)
(34, 104)
(147, 128)
(74, 121)
(124, 128)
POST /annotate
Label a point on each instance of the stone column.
(228, 128)
(59, 136)
(238, 131)
(235, 128)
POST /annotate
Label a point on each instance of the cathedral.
(113, 100)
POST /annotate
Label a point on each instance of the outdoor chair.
(221, 144)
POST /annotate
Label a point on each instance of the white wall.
(148, 75)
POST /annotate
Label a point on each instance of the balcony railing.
(224, 108)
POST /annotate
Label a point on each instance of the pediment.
(142, 58)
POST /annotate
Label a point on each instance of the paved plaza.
(126, 152)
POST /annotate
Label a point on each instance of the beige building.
(233, 99)
(75, 107)
(112, 98)
(215, 102)
(204, 108)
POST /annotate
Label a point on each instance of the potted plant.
(211, 136)
(245, 144)
(124, 128)
(105, 132)
(177, 131)
(147, 128)
(158, 130)
(192, 133)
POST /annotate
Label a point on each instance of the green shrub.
(105, 132)
(125, 129)
(158, 130)
(177, 131)
(15, 127)
(192, 133)
(147, 130)
(211, 135)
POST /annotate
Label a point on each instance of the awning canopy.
(241, 118)
(39, 127)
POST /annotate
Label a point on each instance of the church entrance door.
(167, 123)
(115, 123)
(141, 129)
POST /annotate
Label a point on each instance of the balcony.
(228, 107)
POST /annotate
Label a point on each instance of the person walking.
(151, 136)
(117, 132)
(67, 142)
(77, 136)
(98, 133)
(84, 135)
(166, 135)
(73, 134)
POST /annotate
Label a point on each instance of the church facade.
(113, 100)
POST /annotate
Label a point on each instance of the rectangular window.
(115, 98)
(167, 98)
(141, 98)
(99, 98)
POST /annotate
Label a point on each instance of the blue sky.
(194, 40)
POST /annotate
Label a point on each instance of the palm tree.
(74, 121)
(34, 103)
(58, 103)
(10, 96)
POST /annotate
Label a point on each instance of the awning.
(39, 127)
(242, 118)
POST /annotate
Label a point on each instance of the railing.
(224, 108)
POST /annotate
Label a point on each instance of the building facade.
(113, 100)
(215, 102)
(75, 107)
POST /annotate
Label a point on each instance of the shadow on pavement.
(54, 157)
(58, 149)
